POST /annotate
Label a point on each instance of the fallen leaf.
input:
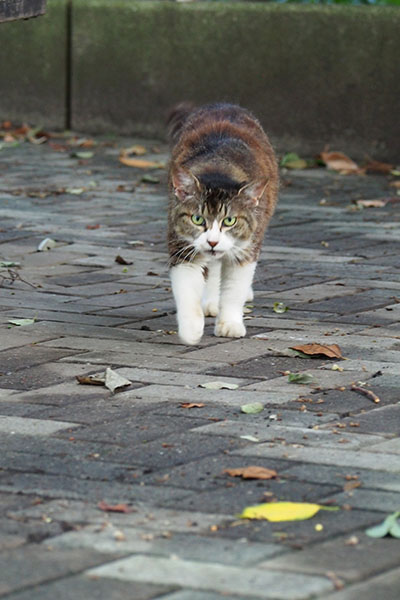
(96, 226)
(121, 508)
(149, 179)
(91, 379)
(136, 150)
(375, 166)
(115, 381)
(250, 438)
(395, 184)
(192, 405)
(252, 472)
(351, 485)
(7, 264)
(291, 160)
(314, 349)
(21, 322)
(46, 244)
(82, 155)
(252, 408)
(377, 203)
(136, 243)
(122, 261)
(283, 511)
(140, 163)
(300, 378)
(75, 191)
(389, 526)
(218, 385)
(279, 307)
(337, 161)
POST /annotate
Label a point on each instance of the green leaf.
(388, 527)
(21, 322)
(150, 179)
(249, 438)
(75, 191)
(6, 264)
(219, 385)
(279, 307)
(252, 408)
(82, 154)
(298, 353)
(300, 378)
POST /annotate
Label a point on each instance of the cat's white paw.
(210, 308)
(191, 330)
(234, 329)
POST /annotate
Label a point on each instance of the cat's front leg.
(188, 285)
(212, 289)
(236, 280)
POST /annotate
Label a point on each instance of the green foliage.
(352, 2)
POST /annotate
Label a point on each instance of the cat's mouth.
(216, 253)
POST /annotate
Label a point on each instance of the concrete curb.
(314, 75)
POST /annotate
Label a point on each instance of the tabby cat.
(223, 184)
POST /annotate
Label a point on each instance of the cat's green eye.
(198, 219)
(229, 221)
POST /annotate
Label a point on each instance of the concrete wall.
(33, 65)
(314, 75)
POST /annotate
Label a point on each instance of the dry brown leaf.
(192, 405)
(328, 350)
(375, 166)
(337, 161)
(121, 508)
(140, 163)
(351, 485)
(395, 184)
(122, 261)
(91, 379)
(375, 203)
(252, 472)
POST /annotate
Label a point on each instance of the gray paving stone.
(30, 566)
(45, 375)
(83, 587)
(327, 456)
(35, 427)
(61, 486)
(349, 562)
(345, 293)
(289, 434)
(214, 577)
(385, 586)
(378, 500)
(336, 475)
(181, 545)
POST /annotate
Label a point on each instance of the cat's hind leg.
(188, 285)
(236, 280)
(212, 289)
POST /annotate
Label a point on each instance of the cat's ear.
(185, 184)
(254, 190)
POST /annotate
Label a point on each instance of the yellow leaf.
(140, 163)
(283, 511)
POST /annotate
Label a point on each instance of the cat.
(223, 186)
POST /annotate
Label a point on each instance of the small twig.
(369, 393)
(12, 277)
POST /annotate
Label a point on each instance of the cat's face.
(214, 231)
(215, 224)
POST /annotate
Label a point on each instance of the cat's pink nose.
(212, 244)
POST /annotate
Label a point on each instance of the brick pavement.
(65, 447)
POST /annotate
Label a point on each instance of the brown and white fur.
(223, 185)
